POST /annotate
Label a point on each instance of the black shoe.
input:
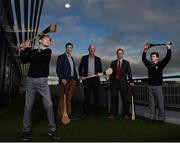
(84, 116)
(54, 135)
(98, 116)
(111, 116)
(25, 136)
(73, 117)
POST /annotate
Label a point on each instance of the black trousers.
(123, 88)
(91, 85)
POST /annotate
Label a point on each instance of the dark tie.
(119, 70)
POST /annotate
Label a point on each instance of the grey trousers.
(40, 85)
(156, 93)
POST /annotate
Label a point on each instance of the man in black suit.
(119, 82)
(67, 74)
(90, 65)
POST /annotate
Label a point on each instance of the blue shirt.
(71, 64)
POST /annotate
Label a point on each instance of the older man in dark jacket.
(90, 65)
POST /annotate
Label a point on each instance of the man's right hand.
(25, 44)
(82, 78)
(64, 82)
(146, 46)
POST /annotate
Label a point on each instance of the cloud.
(134, 15)
(112, 24)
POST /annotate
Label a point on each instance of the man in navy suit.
(67, 74)
(90, 65)
(118, 79)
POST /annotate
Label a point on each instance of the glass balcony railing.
(171, 90)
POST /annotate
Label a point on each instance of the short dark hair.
(42, 36)
(155, 53)
(120, 49)
(69, 44)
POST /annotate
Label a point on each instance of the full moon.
(67, 5)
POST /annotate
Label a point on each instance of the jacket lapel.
(95, 62)
(87, 60)
(67, 61)
(115, 66)
(122, 65)
(73, 63)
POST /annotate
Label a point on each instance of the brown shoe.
(126, 117)
(111, 116)
(98, 116)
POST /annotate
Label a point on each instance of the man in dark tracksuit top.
(37, 81)
(155, 78)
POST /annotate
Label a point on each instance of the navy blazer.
(125, 71)
(83, 67)
(63, 68)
